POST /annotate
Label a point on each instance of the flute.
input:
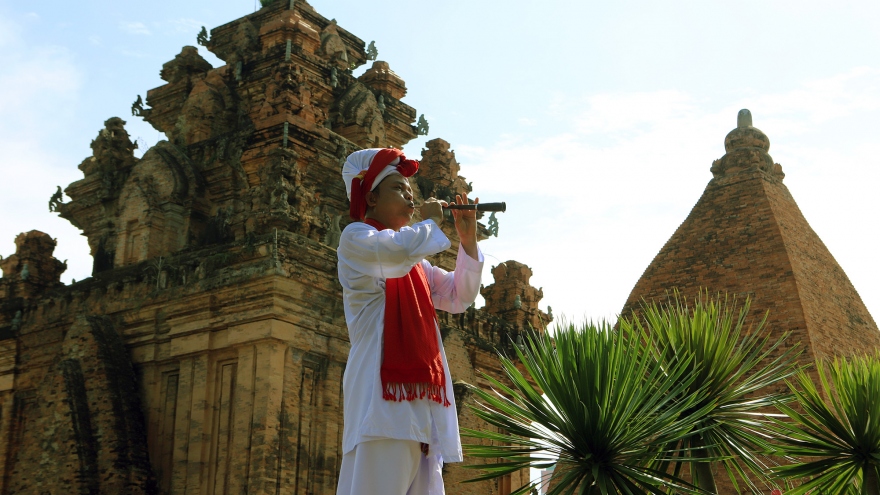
(502, 207)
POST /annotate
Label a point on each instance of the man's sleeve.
(454, 292)
(386, 253)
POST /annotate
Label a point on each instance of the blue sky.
(597, 122)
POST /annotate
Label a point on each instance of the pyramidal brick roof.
(747, 236)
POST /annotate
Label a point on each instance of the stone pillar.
(189, 423)
(8, 350)
(236, 437)
(268, 384)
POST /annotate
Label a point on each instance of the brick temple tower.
(512, 298)
(746, 236)
(206, 352)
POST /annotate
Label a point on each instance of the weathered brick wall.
(81, 422)
(837, 319)
(731, 243)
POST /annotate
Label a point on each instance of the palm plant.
(734, 370)
(837, 429)
(591, 401)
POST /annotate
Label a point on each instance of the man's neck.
(379, 221)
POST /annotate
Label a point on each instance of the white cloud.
(820, 101)
(588, 209)
(9, 33)
(183, 26)
(37, 81)
(134, 27)
(41, 87)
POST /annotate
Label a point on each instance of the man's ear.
(372, 198)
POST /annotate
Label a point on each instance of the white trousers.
(390, 467)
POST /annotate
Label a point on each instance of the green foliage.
(606, 413)
(735, 369)
(837, 429)
(623, 410)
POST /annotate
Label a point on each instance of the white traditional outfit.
(392, 403)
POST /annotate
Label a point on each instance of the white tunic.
(366, 258)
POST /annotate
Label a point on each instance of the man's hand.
(466, 225)
(433, 209)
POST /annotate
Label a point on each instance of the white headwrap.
(359, 161)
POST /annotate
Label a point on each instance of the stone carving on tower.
(32, 269)
(513, 299)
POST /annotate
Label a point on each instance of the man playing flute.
(399, 410)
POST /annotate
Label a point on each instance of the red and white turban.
(365, 169)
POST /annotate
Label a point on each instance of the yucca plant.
(836, 429)
(600, 409)
(732, 370)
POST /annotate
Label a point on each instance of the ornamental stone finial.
(744, 118)
(746, 149)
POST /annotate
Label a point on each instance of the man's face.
(391, 203)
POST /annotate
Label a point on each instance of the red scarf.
(411, 364)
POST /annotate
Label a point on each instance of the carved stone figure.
(25, 272)
(372, 52)
(334, 77)
(137, 108)
(202, 37)
(493, 225)
(517, 302)
(422, 126)
(380, 104)
(334, 232)
(56, 200)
